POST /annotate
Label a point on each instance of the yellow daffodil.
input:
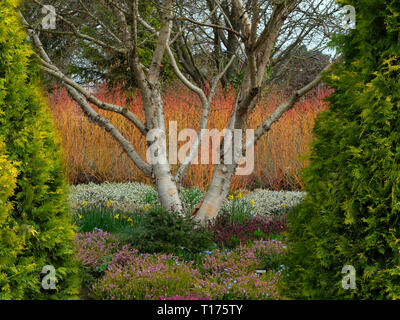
(130, 219)
(116, 216)
(230, 197)
(284, 206)
(109, 203)
(252, 202)
(239, 196)
(83, 204)
(124, 217)
(80, 217)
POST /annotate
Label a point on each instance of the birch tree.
(264, 33)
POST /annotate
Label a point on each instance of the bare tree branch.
(78, 34)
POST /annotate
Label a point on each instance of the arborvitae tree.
(35, 225)
(351, 214)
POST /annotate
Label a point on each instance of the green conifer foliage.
(35, 224)
(351, 215)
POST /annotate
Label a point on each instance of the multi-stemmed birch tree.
(246, 39)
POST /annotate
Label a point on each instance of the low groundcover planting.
(121, 272)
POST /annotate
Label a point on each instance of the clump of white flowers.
(267, 202)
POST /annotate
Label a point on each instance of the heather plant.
(184, 298)
(93, 251)
(231, 274)
(245, 287)
(244, 258)
(36, 229)
(351, 214)
(92, 248)
(222, 274)
(230, 234)
(145, 276)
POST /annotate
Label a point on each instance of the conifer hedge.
(351, 215)
(35, 224)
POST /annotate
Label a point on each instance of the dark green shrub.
(168, 232)
(351, 215)
(36, 228)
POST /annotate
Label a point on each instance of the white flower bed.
(269, 202)
(124, 196)
(131, 196)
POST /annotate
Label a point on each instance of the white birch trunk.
(216, 193)
(163, 179)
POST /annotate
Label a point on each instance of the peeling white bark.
(157, 156)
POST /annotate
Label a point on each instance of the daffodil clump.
(147, 207)
(104, 217)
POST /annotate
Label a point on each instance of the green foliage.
(35, 225)
(191, 198)
(282, 211)
(149, 196)
(168, 232)
(240, 210)
(232, 243)
(351, 214)
(11, 244)
(260, 235)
